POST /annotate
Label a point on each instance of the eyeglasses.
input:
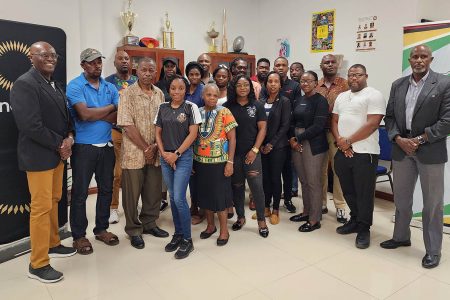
(307, 81)
(357, 75)
(244, 85)
(47, 55)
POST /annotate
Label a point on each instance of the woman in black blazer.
(309, 148)
(275, 146)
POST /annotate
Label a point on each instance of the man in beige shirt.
(141, 170)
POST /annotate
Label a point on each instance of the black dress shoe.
(393, 244)
(307, 227)
(363, 239)
(430, 261)
(350, 227)
(137, 242)
(156, 231)
(299, 218)
(204, 234)
(222, 242)
(324, 210)
(238, 225)
(263, 231)
(290, 206)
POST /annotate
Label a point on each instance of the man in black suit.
(418, 123)
(45, 141)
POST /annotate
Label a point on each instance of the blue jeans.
(177, 182)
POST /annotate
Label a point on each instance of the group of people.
(215, 131)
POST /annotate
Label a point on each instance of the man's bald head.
(328, 57)
(122, 62)
(329, 65)
(205, 61)
(43, 57)
(39, 46)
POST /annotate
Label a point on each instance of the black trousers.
(287, 177)
(357, 176)
(253, 174)
(86, 161)
(272, 166)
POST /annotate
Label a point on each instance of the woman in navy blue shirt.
(194, 73)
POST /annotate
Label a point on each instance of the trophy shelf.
(157, 54)
(226, 58)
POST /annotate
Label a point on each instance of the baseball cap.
(90, 54)
(170, 59)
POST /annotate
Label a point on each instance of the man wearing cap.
(205, 61)
(93, 104)
(121, 80)
(169, 69)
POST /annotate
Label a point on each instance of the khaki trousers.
(46, 191)
(117, 141)
(144, 183)
(338, 196)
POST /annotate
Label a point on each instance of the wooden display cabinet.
(226, 58)
(157, 54)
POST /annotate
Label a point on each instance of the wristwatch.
(178, 153)
(256, 150)
(421, 140)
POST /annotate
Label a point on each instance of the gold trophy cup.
(168, 35)
(128, 17)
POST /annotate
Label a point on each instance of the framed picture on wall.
(322, 31)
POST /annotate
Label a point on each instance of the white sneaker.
(340, 215)
(114, 216)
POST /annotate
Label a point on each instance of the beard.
(261, 77)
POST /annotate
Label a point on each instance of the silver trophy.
(128, 17)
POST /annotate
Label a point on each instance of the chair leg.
(390, 181)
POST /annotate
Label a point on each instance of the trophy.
(212, 34)
(224, 33)
(128, 18)
(168, 35)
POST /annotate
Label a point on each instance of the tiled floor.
(286, 265)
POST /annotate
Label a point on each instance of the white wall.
(96, 23)
(63, 14)
(294, 19)
(435, 10)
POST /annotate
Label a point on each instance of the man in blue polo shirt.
(93, 106)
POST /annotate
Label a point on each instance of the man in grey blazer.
(418, 123)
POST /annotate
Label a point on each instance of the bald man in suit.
(418, 123)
